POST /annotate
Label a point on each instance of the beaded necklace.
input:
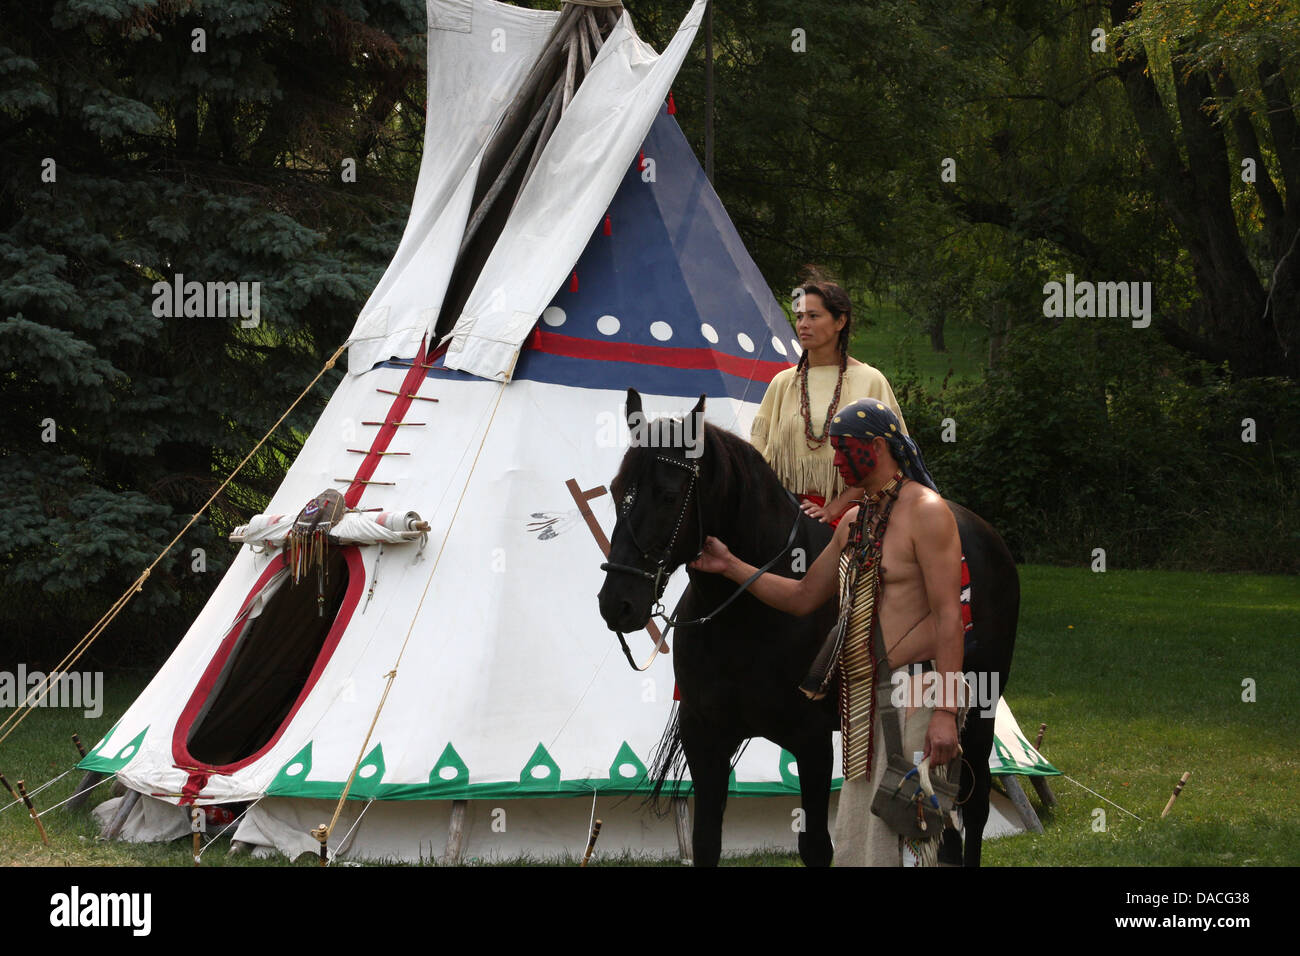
(814, 442)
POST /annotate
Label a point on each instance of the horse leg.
(709, 760)
(815, 756)
(977, 741)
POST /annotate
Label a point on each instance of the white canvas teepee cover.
(510, 692)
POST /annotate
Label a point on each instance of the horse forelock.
(733, 475)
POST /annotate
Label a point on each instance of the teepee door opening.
(266, 665)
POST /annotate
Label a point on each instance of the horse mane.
(738, 477)
(741, 485)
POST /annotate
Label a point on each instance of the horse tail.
(667, 766)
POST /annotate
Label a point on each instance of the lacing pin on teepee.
(389, 391)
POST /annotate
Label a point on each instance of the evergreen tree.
(141, 141)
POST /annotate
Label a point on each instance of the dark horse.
(738, 673)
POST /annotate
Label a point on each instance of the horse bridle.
(659, 577)
(662, 571)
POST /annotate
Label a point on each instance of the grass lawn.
(884, 336)
(1138, 675)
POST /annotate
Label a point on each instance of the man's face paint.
(854, 457)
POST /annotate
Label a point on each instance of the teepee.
(413, 619)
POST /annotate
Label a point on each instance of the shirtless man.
(918, 612)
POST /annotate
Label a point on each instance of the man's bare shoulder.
(914, 495)
(930, 514)
(842, 529)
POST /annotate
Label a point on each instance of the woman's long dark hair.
(815, 281)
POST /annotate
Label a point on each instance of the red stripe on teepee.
(193, 788)
(396, 412)
(668, 356)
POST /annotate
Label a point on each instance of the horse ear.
(695, 431)
(634, 413)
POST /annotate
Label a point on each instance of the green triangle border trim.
(285, 781)
(97, 760)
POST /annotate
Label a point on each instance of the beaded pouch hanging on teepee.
(308, 543)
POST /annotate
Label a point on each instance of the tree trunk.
(1232, 321)
(935, 327)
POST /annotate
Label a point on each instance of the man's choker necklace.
(889, 488)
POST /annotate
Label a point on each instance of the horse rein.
(662, 572)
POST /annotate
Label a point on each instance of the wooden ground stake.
(198, 825)
(682, 815)
(322, 835)
(1168, 806)
(31, 810)
(591, 843)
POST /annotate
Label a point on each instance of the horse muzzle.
(626, 599)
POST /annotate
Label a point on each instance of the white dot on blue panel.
(661, 330)
(607, 325)
(554, 316)
(745, 341)
(778, 345)
(709, 332)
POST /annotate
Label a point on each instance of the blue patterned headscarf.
(869, 418)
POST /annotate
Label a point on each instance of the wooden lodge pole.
(455, 833)
(682, 817)
(521, 147)
(1021, 803)
(124, 809)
